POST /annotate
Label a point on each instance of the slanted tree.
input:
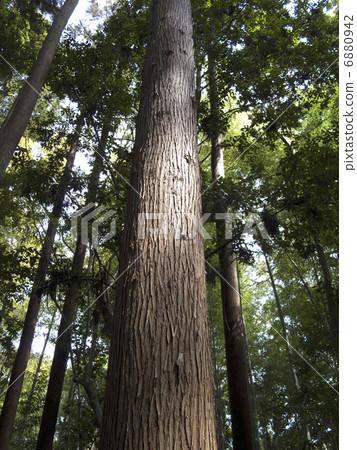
(19, 115)
(159, 391)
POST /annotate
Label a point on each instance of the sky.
(80, 14)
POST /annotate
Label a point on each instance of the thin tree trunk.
(251, 385)
(332, 301)
(17, 119)
(250, 372)
(67, 424)
(79, 418)
(309, 293)
(104, 305)
(159, 392)
(306, 430)
(23, 353)
(34, 382)
(237, 361)
(63, 342)
(106, 311)
(243, 429)
(93, 399)
(86, 382)
(218, 390)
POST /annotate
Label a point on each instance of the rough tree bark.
(159, 392)
(23, 353)
(18, 117)
(241, 409)
(63, 342)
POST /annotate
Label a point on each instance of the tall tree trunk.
(243, 428)
(250, 372)
(306, 430)
(29, 405)
(309, 293)
(63, 342)
(332, 300)
(18, 117)
(86, 381)
(237, 361)
(159, 392)
(218, 389)
(66, 426)
(23, 353)
(79, 419)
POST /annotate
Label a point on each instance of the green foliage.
(23, 27)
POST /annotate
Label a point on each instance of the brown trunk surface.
(159, 392)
